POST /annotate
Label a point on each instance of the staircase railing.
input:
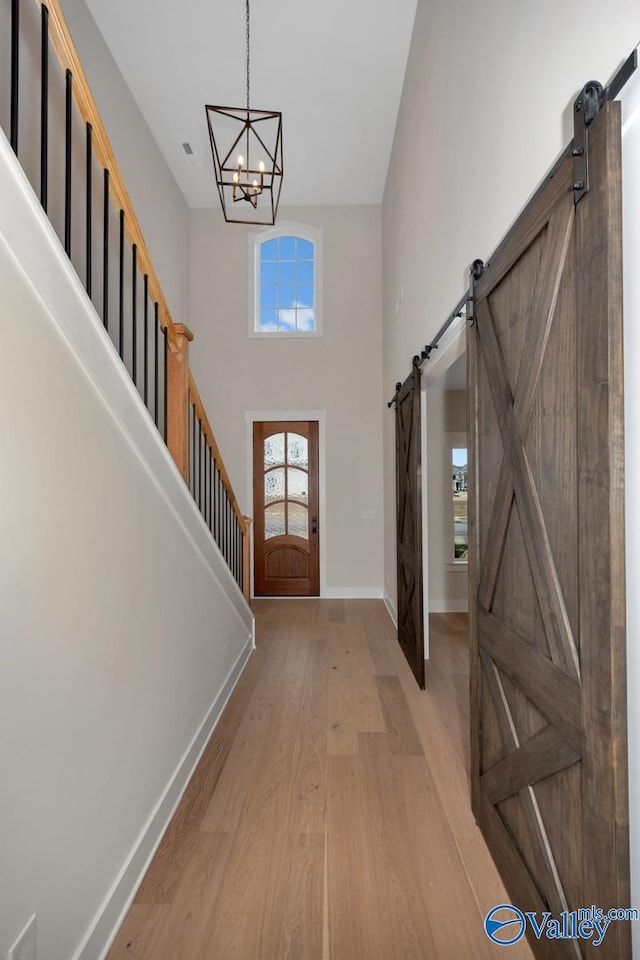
(114, 264)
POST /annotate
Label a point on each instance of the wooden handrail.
(180, 386)
(67, 55)
(208, 432)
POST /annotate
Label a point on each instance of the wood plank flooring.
(329, 816)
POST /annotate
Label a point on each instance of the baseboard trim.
(111, 914)
(352, 593)
(391, 610)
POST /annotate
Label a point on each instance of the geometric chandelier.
(246, 146)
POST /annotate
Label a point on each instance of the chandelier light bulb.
(261, 166)
(240, 160)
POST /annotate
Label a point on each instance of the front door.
(546, 558)
(286, 514)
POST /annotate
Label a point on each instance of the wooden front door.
(409, 524)
(547, 553)
(285, 504)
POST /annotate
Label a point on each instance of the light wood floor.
(329, 817)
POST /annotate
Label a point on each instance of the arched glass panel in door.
(286, 487)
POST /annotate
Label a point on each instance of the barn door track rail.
(586, 108)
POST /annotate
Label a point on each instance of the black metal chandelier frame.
(239, 178)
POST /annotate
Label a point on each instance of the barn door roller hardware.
(586, 108)
(465, 304)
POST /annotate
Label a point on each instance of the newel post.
(178, 399)
(246, 558)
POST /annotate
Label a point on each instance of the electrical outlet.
(25, 946)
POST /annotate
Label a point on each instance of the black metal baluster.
(155, 362)
(204, 475)
(193, 448)
(146, 341)
(105, 252)
(189, 451)
(234, 534)
(234, 545)
(200, 465)
(210, 466)
(241, 548)
(207, 486)
(220, 515)
(67, 165)
(230, 525)
(134, 314)
(15, 71)
(89, 211)
(226, 525)
(216, 492)
(238, 554)
(238, 564)
(164, 382)
(189, 414)
(204, 470)
(121, 296)
(214, 498)
(44, 107)
(231, 515)
(223, 520)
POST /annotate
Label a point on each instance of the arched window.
(286, 290)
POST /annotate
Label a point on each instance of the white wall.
(340, 372)
(158, 201)
(446, 417)
(486, 108)
(122, 631)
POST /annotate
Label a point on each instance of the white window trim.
(453, 440)
(286, 228)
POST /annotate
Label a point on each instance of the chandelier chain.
(248, 49)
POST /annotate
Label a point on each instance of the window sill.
(457, 565)
(276, 335)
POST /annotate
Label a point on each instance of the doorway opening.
(446, 537)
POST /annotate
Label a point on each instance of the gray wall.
(120, 624)
(158, 202)
(340, 372)
(486, 108)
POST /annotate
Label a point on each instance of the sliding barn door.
(409, 524)
(547, 553)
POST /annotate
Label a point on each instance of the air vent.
(187, 149)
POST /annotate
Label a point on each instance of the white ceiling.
(335, 69)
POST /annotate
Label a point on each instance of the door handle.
(314, 524)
